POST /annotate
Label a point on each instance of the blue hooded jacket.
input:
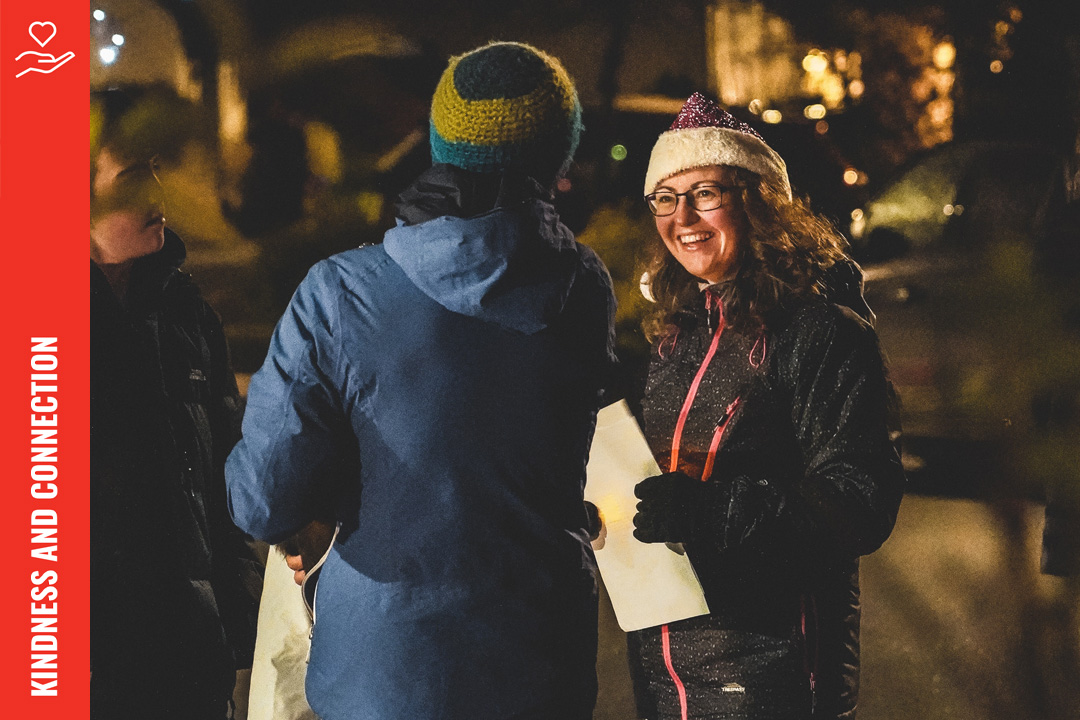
(437, 395)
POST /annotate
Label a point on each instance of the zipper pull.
(728, 412)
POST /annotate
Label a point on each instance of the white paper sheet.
(648, 583)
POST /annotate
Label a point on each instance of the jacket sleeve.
(237, 566)
(282, 473)
(844, 504)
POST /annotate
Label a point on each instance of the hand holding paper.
(648, 584)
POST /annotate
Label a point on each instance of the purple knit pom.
(699, 111)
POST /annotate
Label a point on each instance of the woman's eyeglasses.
(701, 198)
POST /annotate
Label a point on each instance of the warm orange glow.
(821, 127)
(815, 62)
(944, 55)
(814, 112)
(997, 66)
(851, 176)
(856, 88)
(772, 116)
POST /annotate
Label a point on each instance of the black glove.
(676, 508)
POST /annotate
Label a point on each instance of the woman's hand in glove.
(674, 508)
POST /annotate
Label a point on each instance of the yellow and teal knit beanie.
(506, 106)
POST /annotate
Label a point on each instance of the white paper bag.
(649, 584)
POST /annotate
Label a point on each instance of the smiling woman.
(737, 222)
(767, 404)
(705, 232)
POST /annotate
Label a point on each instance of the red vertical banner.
(44, 382)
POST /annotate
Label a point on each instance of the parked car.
(965, 254)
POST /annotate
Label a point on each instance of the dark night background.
(943, 138)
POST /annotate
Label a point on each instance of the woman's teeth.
(696, 237)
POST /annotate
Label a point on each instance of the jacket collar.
(149, 275)
(448, 191)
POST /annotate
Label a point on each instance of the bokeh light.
(618, 152)
(944, 55)
(815, 62)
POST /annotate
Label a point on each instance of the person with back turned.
(435, 397)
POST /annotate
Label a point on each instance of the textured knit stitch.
(704, 134)
(506, 106)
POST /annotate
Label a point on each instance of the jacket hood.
(487, 246)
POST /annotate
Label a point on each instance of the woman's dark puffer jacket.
(805, 479)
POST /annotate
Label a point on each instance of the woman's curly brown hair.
(786, 251)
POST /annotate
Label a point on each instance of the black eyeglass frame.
(689, 195)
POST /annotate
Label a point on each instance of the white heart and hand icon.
(41, 62)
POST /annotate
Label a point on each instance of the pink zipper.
(692, 393)
(673, 466)
(718, 435)
(666, 642)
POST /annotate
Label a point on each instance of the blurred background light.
(855, 89)
(997, 66)
(814, 112)
(107, 55)
(755, 106)
(858, 223)
(772, 116)
(815, 62)
(99, 15)
(851, 176)
(944, 55)
(618, 152)
(118, 39)
(821, 127)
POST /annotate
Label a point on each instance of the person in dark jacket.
(769, 408)
(174, 585)
(435, 395)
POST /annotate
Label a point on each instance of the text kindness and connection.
(45, 434)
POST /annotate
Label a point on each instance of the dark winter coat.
(174, 586)
(437, 394)
(805, 478)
